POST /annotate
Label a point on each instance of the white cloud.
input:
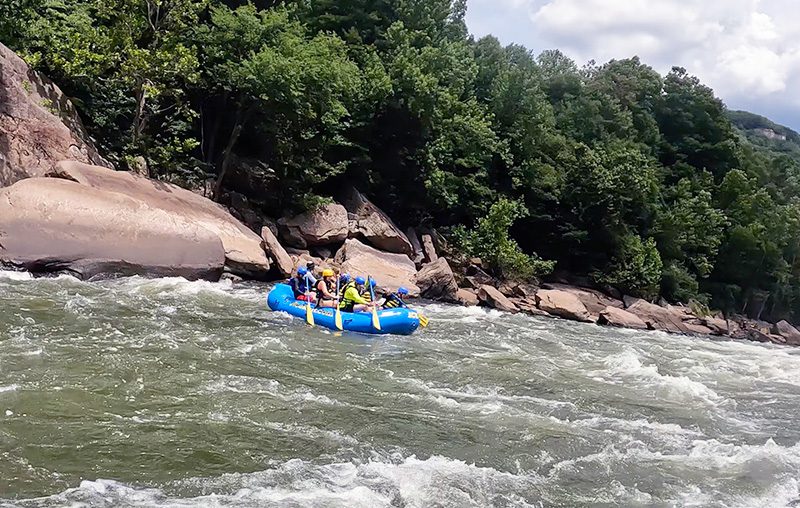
(747, 50)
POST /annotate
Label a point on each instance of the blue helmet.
(345, 277)
(372, 282)
(302, 271)
(402, 291)
(360, 280)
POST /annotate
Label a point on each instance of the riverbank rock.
(594, 301)
(49, 225)
(495, 299)
(324, 225)
(375, 226)
(418, 256)
(563, 304)
(39, 126)
(437, 282)
(390, 270)
(428, 248)
(614, 316)
(283, 261)
(788, 332)
(657, 317)
(244, 254)
(467, 297)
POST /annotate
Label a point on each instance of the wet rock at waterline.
(53, 225)
(244, 254)
(325, 225)
(492, 297)
(563, 304)
(436, 281)
(39, 126)
(614, 316)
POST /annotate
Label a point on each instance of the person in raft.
(326, 289)
(310, 267)
(395, 300)
(365, 290)
(352, 301)
(301, 285)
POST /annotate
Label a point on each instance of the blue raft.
(393, 321)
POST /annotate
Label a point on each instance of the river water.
(136, 392)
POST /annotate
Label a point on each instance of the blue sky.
(748, 51)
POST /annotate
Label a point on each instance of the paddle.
(376, 322)
(337, 314)
(423, 319)
(309, 313)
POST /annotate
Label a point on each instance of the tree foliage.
(612, 170)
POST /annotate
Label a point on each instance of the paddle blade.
(376, 323)
(337, 317)
(309, 314)
(423, 320)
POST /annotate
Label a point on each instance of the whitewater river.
(139, 392)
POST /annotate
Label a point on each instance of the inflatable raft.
(393, 321)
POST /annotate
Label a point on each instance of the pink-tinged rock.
(39, 126)
(490, 296)
(437, 282)
(324, 225)
(563, 304)
(614, 316)
(390, 270)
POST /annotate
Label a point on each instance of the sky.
(748, 51)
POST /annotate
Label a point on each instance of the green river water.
(136, 392)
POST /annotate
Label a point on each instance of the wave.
(379, 482)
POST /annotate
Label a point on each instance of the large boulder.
(50, 225)
(788, 332)
(594, 301)
(418, 257)
(490, 296)
(467, 297)
(244, 254)
(375, 226)
(614, 316)
(390, 270)
(657, 317)
(324, 225)
(283, 261)
(39, 126)
(437, 282)
(563, 304)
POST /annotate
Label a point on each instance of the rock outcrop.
(283, 262)
(788, 332)
(563, 304)
(324, 225)
(374, 226)
(428, 248)
(437, 282)
(39, 126)
(418, 256)
(594, 301)
(390, 270)
(467, 297)
(614, 316)
(243, 252)
(657, 317)
(490, 296)
(50, 225)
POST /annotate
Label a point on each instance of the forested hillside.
(638, 180)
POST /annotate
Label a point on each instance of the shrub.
(636, 267)
(491, 242)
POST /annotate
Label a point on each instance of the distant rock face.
(39, 126)
(390, 270)
(323, 226)
(49, 225)
(436, 281)
(243, 251)
(375, 226)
